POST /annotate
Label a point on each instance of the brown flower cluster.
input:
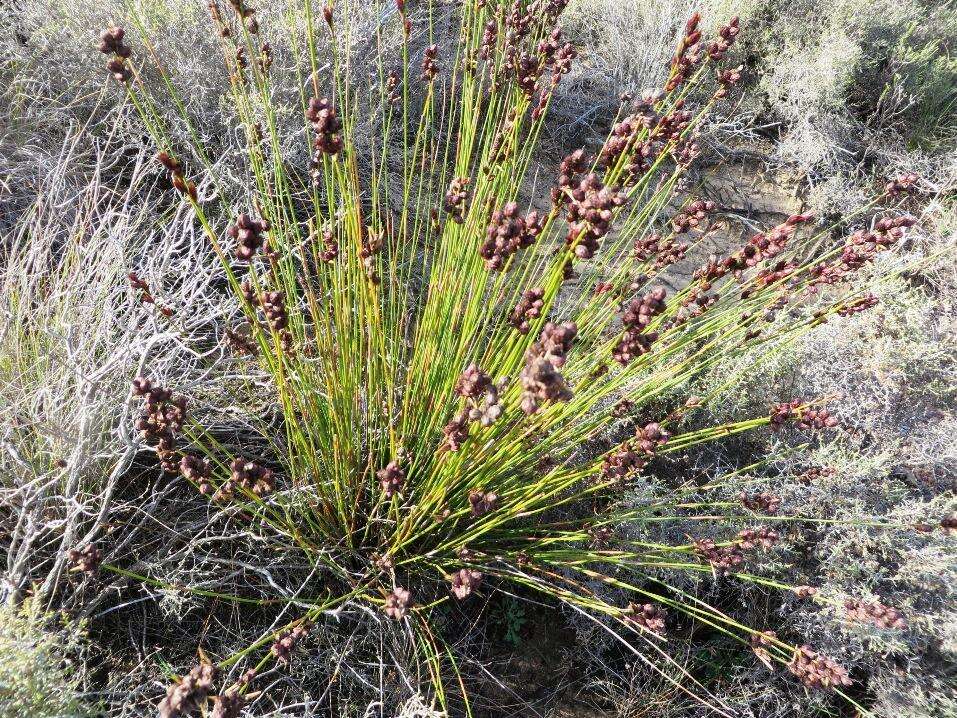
(900, 185)
(175, 167)
(111, 43)
(817, 671)
(241, 341)
(391, 479)
(816, 473)
(726, 80)
(762, 536)
(430, 63)
(767, 245)
(636, 318)
(590, 212)
(246, 475)
(529, 307)
(622, 463)
(397, 603)
(688, 55)
(273, 305)
(726, 36)
(723, 559)
(647, 616)
(861, 248)
(327, 127)
(764, 502)
(804, 419)
(86, 559)
(482, 502)
(540, 378)
(805, 591)
(857, 306)
(692, 216)
(464, 582)
(162, 419)
(876, 612)
(228, 705)
(761, 644)
(247, 15)
(249, 234)
(287, 641)
(508, 232)
(455, 199)
(197, 471)
(189, 692)
(666, 251)
(568, 170)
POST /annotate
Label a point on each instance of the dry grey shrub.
(73, 333)
(890, 372)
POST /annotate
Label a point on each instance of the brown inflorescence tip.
(111, 43)
(647, 616)
(391, 479)
(815, 670)
(397, 603)
(86, 559)
(186, 694)
(464, 582)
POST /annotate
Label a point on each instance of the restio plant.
(471, 361)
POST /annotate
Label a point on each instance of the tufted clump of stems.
(449, 344)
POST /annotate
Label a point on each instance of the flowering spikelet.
(803, 418)
(764, 502)
(692, 216)
(508, 232)
(651, 436)
(464, 582)
(647, 616)
(455, 199)
(540, 378)
(723, 559)
(273, 304)
(162, 419)
(637, 317)
(688, 55)
(817, 671)
(726, 37)
(228, 705)
(726, 80)
(189, 692)
(287, 641)
(249, 234)
(900, 185)
(876, 612)
(529, 307)
(198, 471)
(569, 169)
(761, 644)
(391, 479)
(397, 603)
(860, 249)
(247, 475)
(111, 43)
(590, 211)
(86, 559)
(327, 127)
(482, 502)
(622, 464)
(430, 64)
(762, 536)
